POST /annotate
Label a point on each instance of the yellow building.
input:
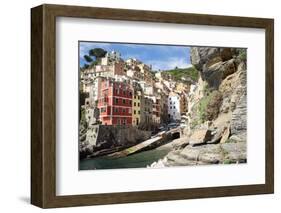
(136, 107)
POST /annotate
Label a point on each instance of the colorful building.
(115, 102)
(116, 68)
(174, 107)
(156, 111)
(146, 113)
(136, 106)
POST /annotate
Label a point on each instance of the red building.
(115, 102)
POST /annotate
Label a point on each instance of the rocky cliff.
(217, 124)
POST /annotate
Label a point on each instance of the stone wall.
(106, 137)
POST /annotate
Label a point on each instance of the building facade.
(115, 102)
(136, 106)
(146, 113)
(174, 107)
(110, 58)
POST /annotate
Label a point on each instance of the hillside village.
(119, 92)
(125, 102)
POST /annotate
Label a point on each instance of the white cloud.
(170, 63)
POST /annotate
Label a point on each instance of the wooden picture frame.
(43, 105)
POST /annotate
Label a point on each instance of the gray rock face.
(238, 123)
(207, 154)
(224, 141)
(214, 64)
(212, 74)
(199, 56)
(235, 152)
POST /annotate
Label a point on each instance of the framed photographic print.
(137, 106)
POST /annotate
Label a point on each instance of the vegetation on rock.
(242, 54)
(184, 73)
(209, 106)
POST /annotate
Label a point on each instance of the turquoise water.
(138, 160)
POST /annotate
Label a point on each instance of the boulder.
(200, 136)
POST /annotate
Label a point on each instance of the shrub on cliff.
(209, 106)
(242, 55)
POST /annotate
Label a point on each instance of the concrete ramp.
(137, 147)
(160, 138)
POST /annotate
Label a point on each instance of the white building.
(147, 89)
(110, 57)
(174, 107)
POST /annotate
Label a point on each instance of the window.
(138, 97)
(139, 112)
(130, 102)
(119, 121)
(134, 112)
(115, 109)
(135, 97)
(116, 100)
(174, 107)
(124, 101)
(130, 94)
(124, 110)
(124, 92)
(138, 104)
(124, 122)
(135, 103)
(103, 109)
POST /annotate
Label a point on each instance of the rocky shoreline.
(227, 153)
(217, 125)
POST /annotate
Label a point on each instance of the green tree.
(88, 58)
(97, 52)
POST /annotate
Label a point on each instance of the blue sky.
(161, 57)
